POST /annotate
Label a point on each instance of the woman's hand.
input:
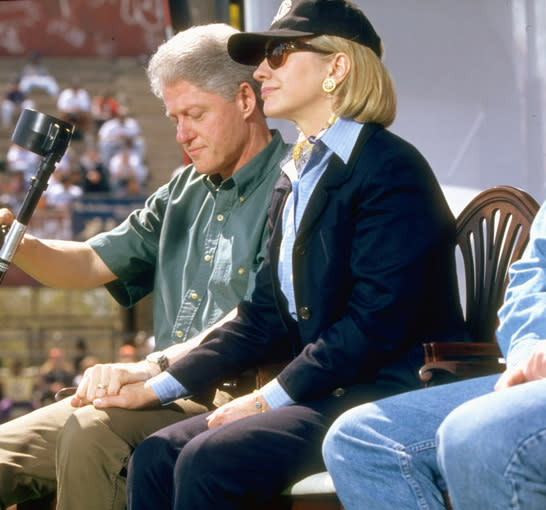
(531, 369)
(131, 396)
(108, 379)
(238, 408)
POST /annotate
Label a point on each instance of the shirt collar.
(250, 175)
(341, 137)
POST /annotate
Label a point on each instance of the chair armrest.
(460, 360)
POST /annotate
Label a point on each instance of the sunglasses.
(277, 52)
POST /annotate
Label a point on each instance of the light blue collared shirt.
(340, 139)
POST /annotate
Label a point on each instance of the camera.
(48, 137)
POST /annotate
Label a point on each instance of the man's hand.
(131, 396)
(237, 409)
(108, 379)
(531, 369)
(6, 216)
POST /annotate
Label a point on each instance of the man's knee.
(85, 430)
(455, 438)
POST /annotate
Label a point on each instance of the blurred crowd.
(23, 388)
(110, 154)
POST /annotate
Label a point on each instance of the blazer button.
(304, 313)
(339, 392)
(300, 251)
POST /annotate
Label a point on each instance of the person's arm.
(114, 376)
(521, 332)
(521, 317)
(57, 263)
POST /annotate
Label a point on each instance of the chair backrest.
(492, 232)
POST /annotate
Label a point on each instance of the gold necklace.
(302, 149)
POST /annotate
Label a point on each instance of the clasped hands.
(124, 385)
(117, 385)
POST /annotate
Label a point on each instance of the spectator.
(14, 102)
(68, 162)
(22, 161)
(94, 175)
(104, 107)
(126, 171)
(127, 354)
(55, 373)
(11, 186)
(35, 75)
(86, 362)
(63, 189)
(144, 343)
(81, 353)
(113, 134)
(17, 392)
(74, 105)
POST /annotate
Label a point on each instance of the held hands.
(109, 379)
(531, 369)
(238, 408)
(137, 395)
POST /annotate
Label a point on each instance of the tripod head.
(42, 134)
(48, 137)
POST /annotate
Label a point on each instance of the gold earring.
(329, 85)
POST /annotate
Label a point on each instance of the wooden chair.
(492, 232)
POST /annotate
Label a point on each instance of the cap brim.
(249, 47)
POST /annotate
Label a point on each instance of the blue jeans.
(492, 450)
(383, 454)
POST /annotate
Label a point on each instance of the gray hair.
(199, 55)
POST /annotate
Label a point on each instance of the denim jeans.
(492, 450)
(383, 454)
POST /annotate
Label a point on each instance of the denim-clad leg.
(383, 455)
(492, 450)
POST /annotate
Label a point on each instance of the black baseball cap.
(306, 18)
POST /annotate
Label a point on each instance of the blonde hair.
(367, 93)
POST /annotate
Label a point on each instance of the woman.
(359, 271)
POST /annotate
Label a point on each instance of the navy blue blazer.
(374, 277)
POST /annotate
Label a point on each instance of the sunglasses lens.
(276, 55)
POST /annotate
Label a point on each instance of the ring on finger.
(101, 386)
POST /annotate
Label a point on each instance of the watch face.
(160, 359)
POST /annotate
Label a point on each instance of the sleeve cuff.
(167, 388)
(275, 395)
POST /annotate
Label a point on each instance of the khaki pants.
(86, 450)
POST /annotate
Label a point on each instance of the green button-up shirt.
(195, 244)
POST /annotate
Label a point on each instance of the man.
(196, 244)
(74, 106)
(481, 439)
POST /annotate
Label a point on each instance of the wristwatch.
(160, 359)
